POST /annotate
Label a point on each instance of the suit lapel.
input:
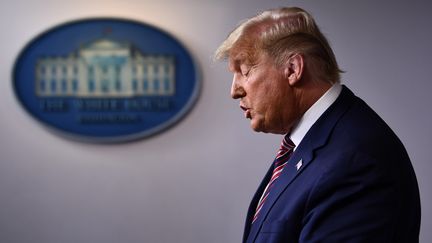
(254, 203)
(315, 138)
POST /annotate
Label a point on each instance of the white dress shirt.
(314, 112)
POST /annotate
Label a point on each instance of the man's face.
(266, 96)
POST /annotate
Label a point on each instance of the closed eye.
(245, 70)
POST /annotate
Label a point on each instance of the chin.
(256, 129)
(256, 126)
(261, 128)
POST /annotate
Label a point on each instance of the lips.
(247, 112)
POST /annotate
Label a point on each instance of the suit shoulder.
(362, 129)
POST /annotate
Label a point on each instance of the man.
(341, 175)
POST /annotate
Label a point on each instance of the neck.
(308, 93)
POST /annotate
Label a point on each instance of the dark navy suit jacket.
(356, 184)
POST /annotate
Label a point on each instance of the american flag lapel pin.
(299, 165)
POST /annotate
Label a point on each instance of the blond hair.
(281, 33)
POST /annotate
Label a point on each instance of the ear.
(294, 68)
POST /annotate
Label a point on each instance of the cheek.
(275, 96)
(266, 93)
(279, 104)
(269, 107)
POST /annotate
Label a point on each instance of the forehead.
(242, 54)
(247, 48)
(249, 57)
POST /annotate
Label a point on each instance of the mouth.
(247, 112)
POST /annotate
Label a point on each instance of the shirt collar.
(314, 112)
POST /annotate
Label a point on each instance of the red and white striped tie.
(282, 157)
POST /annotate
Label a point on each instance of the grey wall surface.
(56, 190)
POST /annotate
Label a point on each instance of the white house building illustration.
(105, 69)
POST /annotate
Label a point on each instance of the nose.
(237, 90)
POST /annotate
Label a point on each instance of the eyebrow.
(238, 59)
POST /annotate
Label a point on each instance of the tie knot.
(285, 149)
(287, 143)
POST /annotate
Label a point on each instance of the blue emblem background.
(67, 38)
